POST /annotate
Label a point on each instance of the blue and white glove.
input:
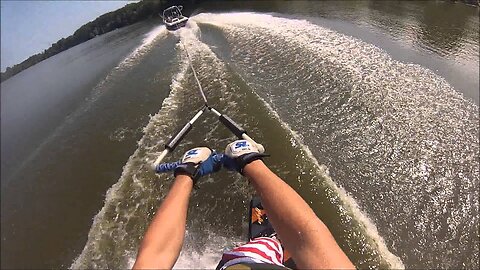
(240, 153)
(198, 162)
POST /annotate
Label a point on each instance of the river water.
(368, 109)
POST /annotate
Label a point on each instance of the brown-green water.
(369, 110)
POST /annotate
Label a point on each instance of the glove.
(240, 153)
(198, 162)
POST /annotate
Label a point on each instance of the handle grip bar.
(177, 138)
(236, 129)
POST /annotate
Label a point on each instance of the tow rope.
(175, 140)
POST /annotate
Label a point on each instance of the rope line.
(195, 75)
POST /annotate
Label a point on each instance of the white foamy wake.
(111, 222)
(281, 26)
(208, 258)
(132, 59)
(91, 256)
(156, 34)
(348, 201)
(210, 255)
(111, 240)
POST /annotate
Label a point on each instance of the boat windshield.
(172, 13)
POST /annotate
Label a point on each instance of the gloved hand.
(239, 153)
(198, 162)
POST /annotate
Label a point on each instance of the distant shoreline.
(469, 2)
(127, 15)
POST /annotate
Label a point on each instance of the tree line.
(129, 14)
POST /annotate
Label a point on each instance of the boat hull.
(176, 25)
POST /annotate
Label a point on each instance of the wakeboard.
(258, 225)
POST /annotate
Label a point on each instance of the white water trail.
(282, 26)
(143, 188)
(352, 206)
(93, 253)
(211, 253)
(410, 139)
(136, 56)
(137, 163)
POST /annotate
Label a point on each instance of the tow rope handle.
(236, 129)
(177, 138)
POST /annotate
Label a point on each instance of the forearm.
(163, 240)
(301, 231)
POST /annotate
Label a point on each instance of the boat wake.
(371, 120)
(396, 136)
(131, 202)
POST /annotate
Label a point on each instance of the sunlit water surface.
(369, 110)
